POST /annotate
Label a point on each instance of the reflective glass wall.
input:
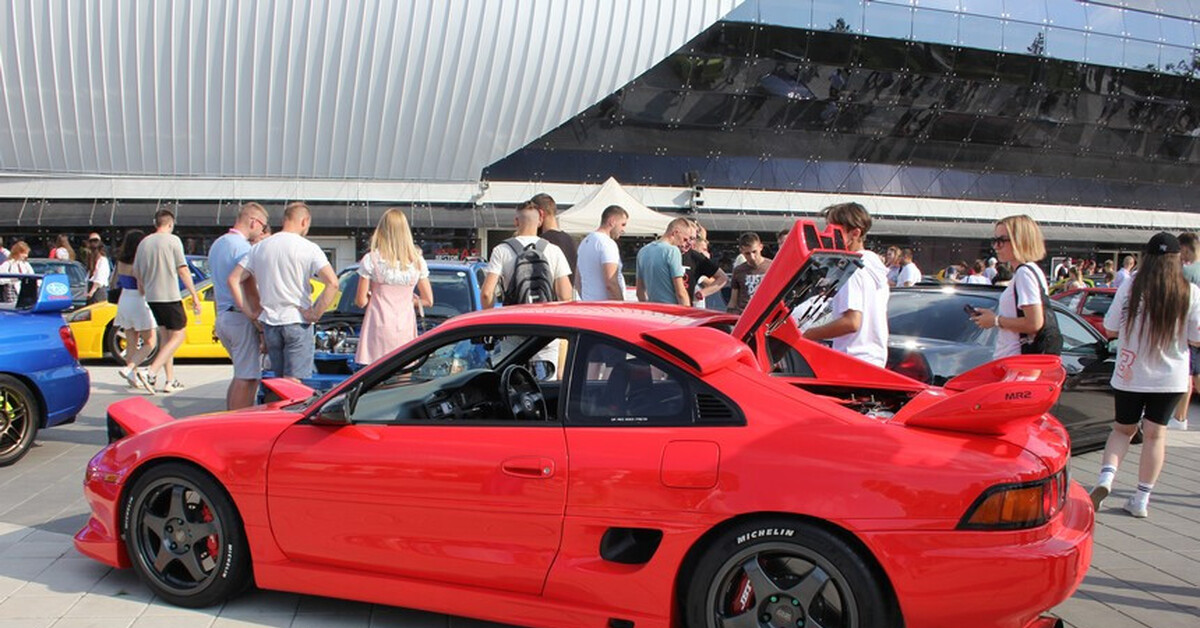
(1050, 101)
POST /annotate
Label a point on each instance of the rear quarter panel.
(32, 350)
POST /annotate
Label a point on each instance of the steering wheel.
(523, 394)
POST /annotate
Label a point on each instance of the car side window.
(614, 384)
(1097, 304)
(1072, 302)
(1074, 334)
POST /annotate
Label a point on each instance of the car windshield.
(75, 272)
(935, 315)
(451, 292)
(1097, 304)
(201, 264)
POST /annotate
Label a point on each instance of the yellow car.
(96, 337)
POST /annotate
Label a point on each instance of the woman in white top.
(62, 248)
(388, 275)
(1018, 241)
(1156, 314)
(14, 265)
(133, 313)
(100, 273)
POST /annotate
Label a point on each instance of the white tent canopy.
(584, 216)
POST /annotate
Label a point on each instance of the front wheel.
(778, 573)
(185, 538)
(19, 419)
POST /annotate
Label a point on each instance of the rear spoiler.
(40, 293)
(134, 416)
(990, 398)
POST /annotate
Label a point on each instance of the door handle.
(530, 467)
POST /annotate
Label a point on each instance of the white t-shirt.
(867, 292)
(395, 275)
(1121, 277)
(989, 273)
(503, 260)
(977, 280)
(595, 250)
(1138, 368)
(1028, 288)
(909, 275)
(282, 265)
(103, 272)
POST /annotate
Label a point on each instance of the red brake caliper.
(744, 598)
(206, 515)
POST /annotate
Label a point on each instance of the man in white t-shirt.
(1125, 273)
(859, 327)
(909, 275)
(990, 272)
(280, 267)
(599, 258)
(502, 262)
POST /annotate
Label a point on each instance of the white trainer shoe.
(1176, 424)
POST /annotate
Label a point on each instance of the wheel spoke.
(809, 587)
(155, 524)
(759, 581)
(177, 506)
(192, 564)
(163, 558)
(202, 530)
(748, 619)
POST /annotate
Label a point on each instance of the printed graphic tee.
(1140, 368)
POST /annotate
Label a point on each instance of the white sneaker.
(172, 386)
(1098, 494)
(1136, 508)
(1176, 424)
(144, 381)
(128, 376)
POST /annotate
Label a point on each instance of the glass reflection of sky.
(1160, 37)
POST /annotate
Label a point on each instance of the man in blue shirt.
(660, 272)
(237, 333)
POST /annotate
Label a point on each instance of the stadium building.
(938, 115)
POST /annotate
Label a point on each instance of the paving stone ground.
(1145, 573)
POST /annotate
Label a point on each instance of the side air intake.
(711, 409)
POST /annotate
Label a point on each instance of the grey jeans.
(290, 348)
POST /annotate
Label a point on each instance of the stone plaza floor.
(1145, 572)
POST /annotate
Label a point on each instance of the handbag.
(114, 294)
(1048, 340)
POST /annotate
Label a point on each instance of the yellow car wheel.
(115, 344)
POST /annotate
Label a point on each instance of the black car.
(932, 339)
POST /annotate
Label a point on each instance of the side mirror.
(543, 370)
(333, 412)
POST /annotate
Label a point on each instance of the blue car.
(41, 381)
(455, 291)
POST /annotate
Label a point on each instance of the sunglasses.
(1001, 240)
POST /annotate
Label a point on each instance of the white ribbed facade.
(399, 90)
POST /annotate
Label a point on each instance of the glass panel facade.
(1035, 108)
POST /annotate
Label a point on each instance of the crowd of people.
(262, 286)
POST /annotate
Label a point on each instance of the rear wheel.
(185, 538)
(20, 417)
(116, 344)
(778, 573)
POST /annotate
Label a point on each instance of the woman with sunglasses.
(1018, 242)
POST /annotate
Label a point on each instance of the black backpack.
(1048, 340)
(531, 280)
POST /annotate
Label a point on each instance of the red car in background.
(1090, 303)
(678, 468)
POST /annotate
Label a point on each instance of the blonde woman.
(1018, 242)
(388, 275)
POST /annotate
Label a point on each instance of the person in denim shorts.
(280, 267)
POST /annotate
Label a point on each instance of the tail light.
(68, 340)
(914, 365)
(1018, 506)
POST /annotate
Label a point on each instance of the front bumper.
(100, 537)
(996, 579)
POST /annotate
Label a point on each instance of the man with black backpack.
(528, 268)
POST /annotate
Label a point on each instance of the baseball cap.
(1162, 243)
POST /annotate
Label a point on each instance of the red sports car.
(1090, 303)
(655, 474)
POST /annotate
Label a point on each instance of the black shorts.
(1158, 408)
(169, 314)
(1194, 360)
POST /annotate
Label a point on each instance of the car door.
(199, 329)
(1085, 406)
(475, 502)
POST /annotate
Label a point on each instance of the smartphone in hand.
(971, 310)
